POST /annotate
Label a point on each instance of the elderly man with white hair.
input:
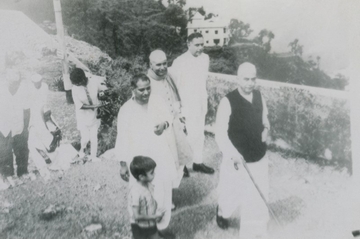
(241, 132)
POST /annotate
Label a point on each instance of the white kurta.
(162, 88)
(136, 136)
(235, 186)
(12, 108)
(190, 74)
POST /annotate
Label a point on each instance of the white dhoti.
(195, 127)
(236, 189)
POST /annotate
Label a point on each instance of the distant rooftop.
(198, 21)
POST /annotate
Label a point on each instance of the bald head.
(247, 77)
(246, 69)
(157, 56)
(158, 62)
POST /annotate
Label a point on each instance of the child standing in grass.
(143, 210)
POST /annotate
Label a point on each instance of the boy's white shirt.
(222, 124)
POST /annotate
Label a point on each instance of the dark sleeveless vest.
(246, 126)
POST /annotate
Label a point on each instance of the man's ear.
(141, 176)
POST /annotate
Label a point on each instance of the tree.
(318, 58)
(202, 11)
(120, 27)
(264, 39)
(210, 15)
(175, 16)
(238, 31)
(296, 48)
(340, 82)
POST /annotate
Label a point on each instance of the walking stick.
(261, 194)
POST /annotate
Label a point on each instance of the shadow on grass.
(288, 209)
(198, 186)
(187, 223)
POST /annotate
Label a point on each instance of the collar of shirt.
(247, 97)
(153, 75)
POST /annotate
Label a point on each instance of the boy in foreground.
(143, 210)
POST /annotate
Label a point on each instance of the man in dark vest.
(241, 132)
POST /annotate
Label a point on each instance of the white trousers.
(195, 127)
(89, 133)
(236, 189)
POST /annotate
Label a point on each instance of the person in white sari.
(142, 125)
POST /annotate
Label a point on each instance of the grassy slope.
(304, 196)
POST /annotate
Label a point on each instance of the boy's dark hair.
(77, 75)
(140, 165)
(137, 78)
(194, 35)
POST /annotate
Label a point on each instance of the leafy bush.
(310, 124)
(57, 84)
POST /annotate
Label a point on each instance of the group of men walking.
(166, 114)
(160, 130)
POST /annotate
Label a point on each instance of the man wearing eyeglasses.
(143, 122)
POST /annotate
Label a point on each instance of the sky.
(320, 26)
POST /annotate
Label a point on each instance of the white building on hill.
(214, 30)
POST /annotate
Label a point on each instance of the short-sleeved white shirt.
(12, 109)
(87, 117)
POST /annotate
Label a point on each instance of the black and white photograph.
(186, 119)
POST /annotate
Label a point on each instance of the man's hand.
(124, 172)
(159, 129)
(238, 160)
(91, 107)
(264, 135)
(159, 214)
